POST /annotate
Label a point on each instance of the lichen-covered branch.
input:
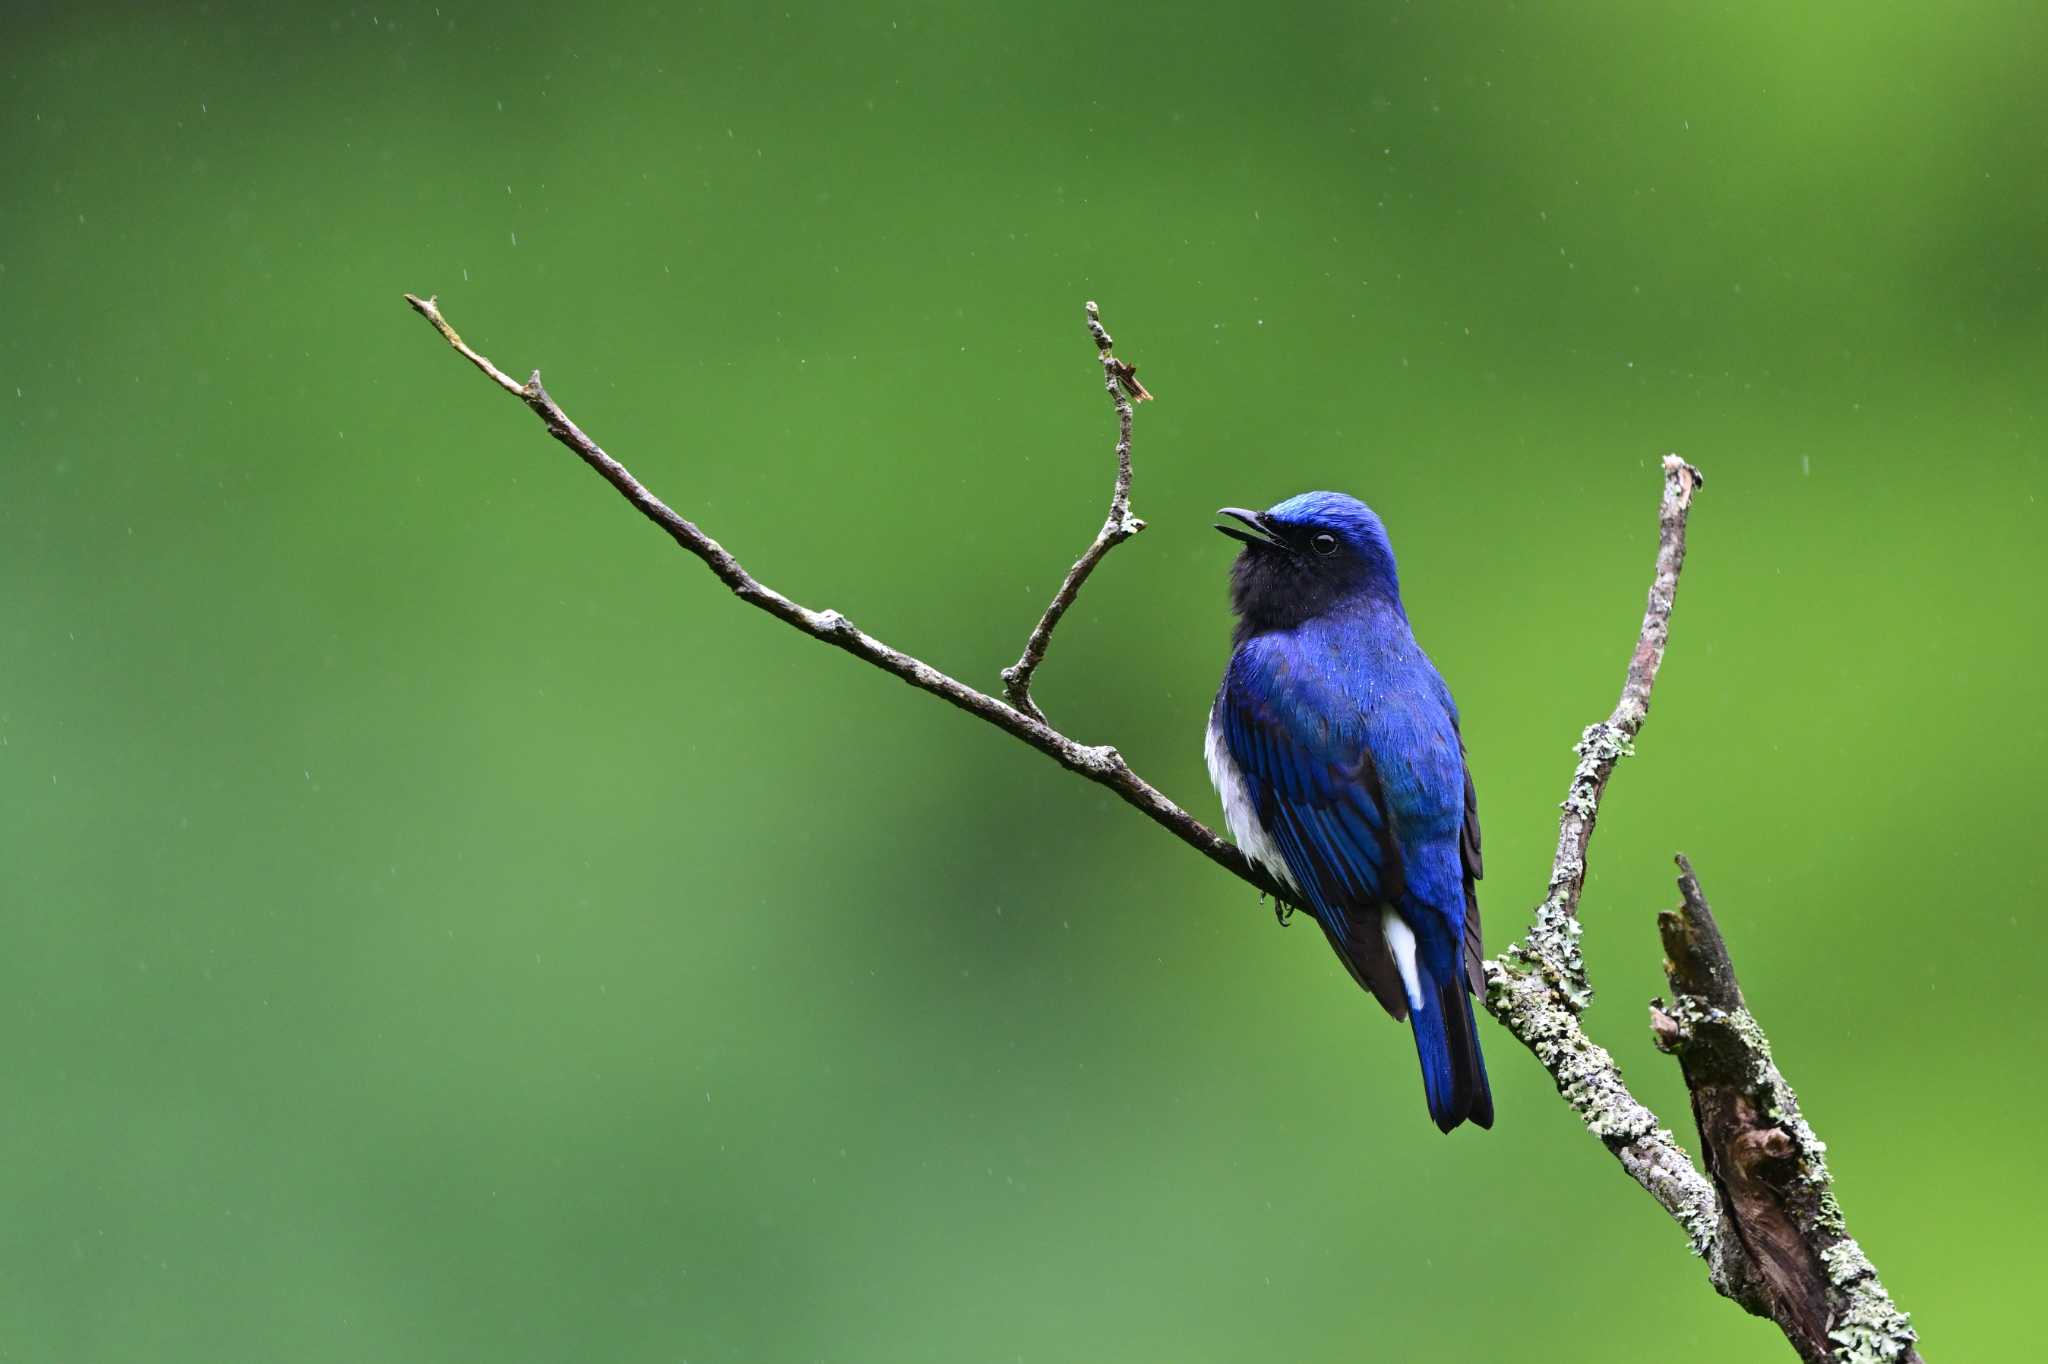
(1798, 1265)
(1550, 952)
(1537, 988)
(1766, 1222)
(1520, 993)
(1121, 380)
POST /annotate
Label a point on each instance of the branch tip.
(1119, 525)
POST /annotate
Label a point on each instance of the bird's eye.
(1325, 543)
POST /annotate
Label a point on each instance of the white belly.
(1237, 808)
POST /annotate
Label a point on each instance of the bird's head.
(1310, 554)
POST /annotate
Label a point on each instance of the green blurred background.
(440, 924)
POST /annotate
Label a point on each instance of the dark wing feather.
(1475, 868)
(1317, 795)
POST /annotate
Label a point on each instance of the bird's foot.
(1282, 912)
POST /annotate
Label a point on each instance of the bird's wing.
(1317, 795)
(1475, 868)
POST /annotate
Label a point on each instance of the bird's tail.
(1447, 1041)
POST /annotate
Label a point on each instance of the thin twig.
(426, 307)
(1124, 389)
(1098, 763)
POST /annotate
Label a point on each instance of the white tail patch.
(1401, 938)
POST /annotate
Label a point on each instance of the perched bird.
(1335, 748)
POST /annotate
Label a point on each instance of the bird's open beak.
(1259, 534)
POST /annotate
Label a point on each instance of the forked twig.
(1124, 389)
(1098, 763)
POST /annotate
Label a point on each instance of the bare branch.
(1799, 1266)
(1124, 389)
(1101, 764)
